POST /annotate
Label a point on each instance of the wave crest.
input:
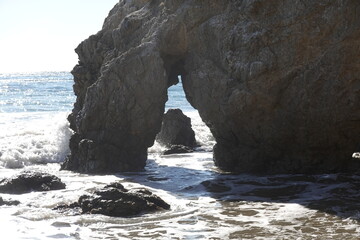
(33, 138)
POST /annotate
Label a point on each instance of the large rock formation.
(277, 82)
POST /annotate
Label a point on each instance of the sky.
(41, 35)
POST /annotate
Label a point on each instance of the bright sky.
(41, 35)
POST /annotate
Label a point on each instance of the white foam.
(203, 134)
(194, 214)
(28, 138)
(157, 148)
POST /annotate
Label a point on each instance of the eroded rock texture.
(29, 181)
(176, 130)
(277, 82)
(114, 200)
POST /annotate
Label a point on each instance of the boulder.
(277, 82)
(176, 130)
(29, 181)
(116, 201)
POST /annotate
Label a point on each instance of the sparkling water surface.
(36, 92)
(205, 203)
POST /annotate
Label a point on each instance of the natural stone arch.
(276, 83)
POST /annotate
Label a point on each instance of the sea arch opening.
(178, 99)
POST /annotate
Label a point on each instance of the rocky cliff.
(277, 82)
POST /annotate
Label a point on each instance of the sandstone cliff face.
(277, 82)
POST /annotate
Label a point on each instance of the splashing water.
(29, 138)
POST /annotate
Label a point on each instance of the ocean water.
(205, 202)
(33, 109)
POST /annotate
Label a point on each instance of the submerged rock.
(215, 186)
(114, 200)
(8, 202)
(277, 82)
(176, 130)
(29, 181)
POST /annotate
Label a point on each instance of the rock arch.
(277, 83)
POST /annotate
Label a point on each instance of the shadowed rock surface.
(277, 82)
(114, 200)
(8, 202)
(28, 181)
(176, 130)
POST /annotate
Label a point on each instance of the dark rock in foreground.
(176, 130)
(28, 181)
(9, 202)
(114, 200)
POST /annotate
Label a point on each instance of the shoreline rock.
(116, 201)
(28, 181)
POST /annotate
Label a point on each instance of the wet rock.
(29, 181)
(9, 202)
(276, 82)
(157, 179)
(60, 224)
(116, 185)
(114, 200)
(247, 212)
(176, 130)
(216, 187)
(176, 149)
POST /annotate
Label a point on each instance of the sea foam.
(33, 138)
